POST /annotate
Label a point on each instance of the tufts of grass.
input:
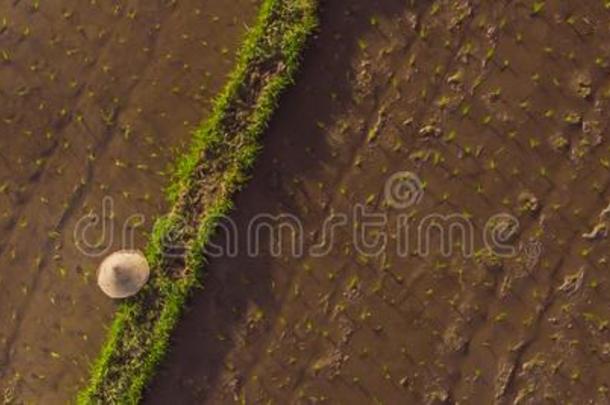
(205, 179)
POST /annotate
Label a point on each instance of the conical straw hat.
(123, 273)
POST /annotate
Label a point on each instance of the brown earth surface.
(96, 99)
(499, 108)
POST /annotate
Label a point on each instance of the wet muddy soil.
(500, 111)
(96, 100)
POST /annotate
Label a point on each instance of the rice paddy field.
(97, 99)
(498, 109)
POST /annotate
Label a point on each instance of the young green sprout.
(537, 7)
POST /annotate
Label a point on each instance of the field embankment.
(222, 153)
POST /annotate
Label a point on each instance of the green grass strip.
(223, 151)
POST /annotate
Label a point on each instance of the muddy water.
(498, 108)
(96, 99)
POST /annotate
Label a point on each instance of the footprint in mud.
(330, 364)
(455, 339)
(580, 84)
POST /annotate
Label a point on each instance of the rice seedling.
(6, 56)
(537, 7)
(573, 118)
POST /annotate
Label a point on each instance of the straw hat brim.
(123, 273)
